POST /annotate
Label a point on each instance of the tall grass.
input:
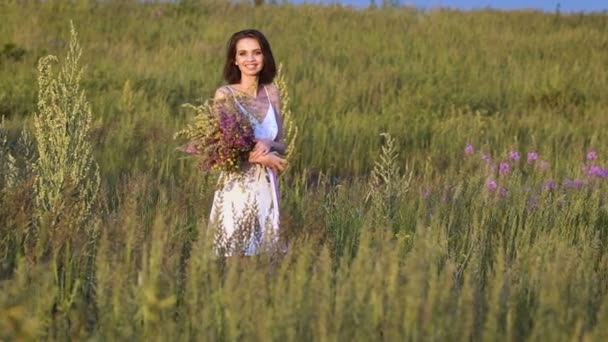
(393, 237)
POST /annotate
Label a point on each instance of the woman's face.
(249, 57)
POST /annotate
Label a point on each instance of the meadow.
(448, 180)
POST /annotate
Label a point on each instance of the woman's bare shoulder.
(273, 91)
(272, 88)
(221, 92)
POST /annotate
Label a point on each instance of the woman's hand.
(271, 160)
(261, 148)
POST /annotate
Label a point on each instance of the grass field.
(481, 215)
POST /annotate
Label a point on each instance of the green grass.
(368, 260)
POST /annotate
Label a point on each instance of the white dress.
(245, 210)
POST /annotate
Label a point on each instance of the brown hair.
(232, 74)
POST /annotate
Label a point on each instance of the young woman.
(246, 209)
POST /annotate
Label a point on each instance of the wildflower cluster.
(221, 136)
(502, 169)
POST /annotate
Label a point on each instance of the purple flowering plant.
(514, 156)
(221, 136)
(468, 149)
(524, 174)
(505, 169)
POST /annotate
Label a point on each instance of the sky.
(543, 5)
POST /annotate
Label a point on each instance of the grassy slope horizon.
(353, 74)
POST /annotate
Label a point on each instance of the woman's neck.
(249, 85)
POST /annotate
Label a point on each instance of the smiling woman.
(245, 208)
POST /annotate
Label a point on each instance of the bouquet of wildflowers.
(221, 136)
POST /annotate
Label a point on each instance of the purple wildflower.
(572, 184)
(544, 165)
(227, 142)
(502, 192)
(549, 185)
(469, 149)
(492, 185)
(504, 168)
(594, 171)
(514, 155)
(591, 155)
(532, 156)
(485, 157)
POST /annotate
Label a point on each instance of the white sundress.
(245, 210)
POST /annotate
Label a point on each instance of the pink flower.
(502, 192)
(549, 185)
(572, 184)
(532, 156)
(504, 168)
(514, 155)
(595, 171)
(469, 149)
(485, 157)
(492, 185)
(225, 141)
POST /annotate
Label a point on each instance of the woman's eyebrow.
(245, 50)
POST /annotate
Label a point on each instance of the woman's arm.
(278, 144)
(271, 160)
